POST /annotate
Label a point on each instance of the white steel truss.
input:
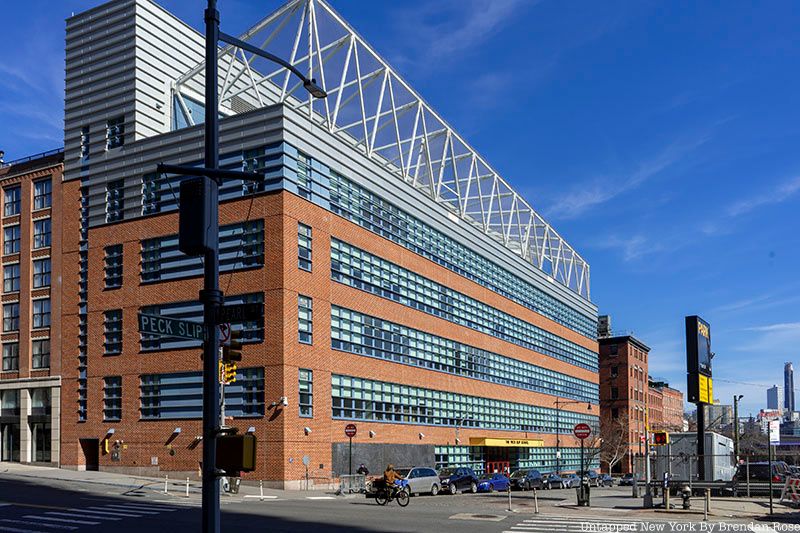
(376, 111)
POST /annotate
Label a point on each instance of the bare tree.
(612, 443)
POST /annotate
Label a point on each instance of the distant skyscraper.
(774, 397)
(788, 387)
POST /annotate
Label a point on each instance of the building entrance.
(9, 442)
(91, 453)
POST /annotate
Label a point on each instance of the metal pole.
(558, 437)
(770, 478)
(351, 456)
(747, 473)
(211, 297)
(736, 428)
(701, 442)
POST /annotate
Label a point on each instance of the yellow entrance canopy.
(506, 443)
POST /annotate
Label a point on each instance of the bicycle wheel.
(382, 497)
(402, 498)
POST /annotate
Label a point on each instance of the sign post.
(350, 430)
(774, 440)
(700, 387)
(582, 432)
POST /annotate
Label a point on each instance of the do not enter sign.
(582, 431)
(350, 430)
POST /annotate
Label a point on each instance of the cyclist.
(389, 478)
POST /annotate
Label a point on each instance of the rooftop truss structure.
(371, 107)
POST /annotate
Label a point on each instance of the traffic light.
(660, 438)
(230, 372)
(232, 351)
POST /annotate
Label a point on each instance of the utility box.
(679, 458)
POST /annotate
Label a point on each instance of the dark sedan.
(493, 482)
(527, 480)
(457, 479)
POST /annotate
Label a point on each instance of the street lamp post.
(558, 403)
(211, 296)
(736, 400)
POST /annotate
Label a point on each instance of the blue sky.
(660, 138)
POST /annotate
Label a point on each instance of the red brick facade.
(282, 439)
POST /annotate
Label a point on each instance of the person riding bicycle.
(390, 475)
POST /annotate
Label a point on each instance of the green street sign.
(171, 327)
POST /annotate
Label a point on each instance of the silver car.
(420, 480)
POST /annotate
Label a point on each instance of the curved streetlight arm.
(310, 85)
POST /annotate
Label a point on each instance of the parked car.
(759, 473)
(493, 482)
(572, 481)
(606, 480)
(461, 478)
(420, 480)
(594, 479)
(554, 481)
(527, 480)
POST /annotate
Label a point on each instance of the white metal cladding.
(376, 111)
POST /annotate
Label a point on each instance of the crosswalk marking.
(81, 516)
(125, 509)
(95, 511)
(83, 522)
(18, 530)
(581, 524)
(148, 507)
(39, 524)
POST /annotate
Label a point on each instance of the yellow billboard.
(506, 443)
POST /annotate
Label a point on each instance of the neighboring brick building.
(655, 407)
(383, 306)
(665, 407)
(624, 392)
(30, 383)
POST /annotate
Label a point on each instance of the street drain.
(483, 517)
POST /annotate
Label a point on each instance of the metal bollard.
(187, 487)
(666, 499)
(535, 502)
(261, 489)
(707, 505)
(166, 484)
(508, 490)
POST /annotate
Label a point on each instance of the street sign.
(224, 333)
(774, 432)
(582, 431)
(240, 313)
(171, 327)
(350, 430)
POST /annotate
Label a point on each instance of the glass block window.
(362, 334)
(42, 194)
(11, 236)
(241, 247)
(306, 388)
(41, 233)
(304, 179)
(41, 273)
(372, 212)
(11, 356)
(180, 395)
(355, 398)
(112, 268)
(41, 353)
(41, 313)
(252, 332)
(151, 194)
(115, 132)
(11, 200)
(112, 398)
(304, 246)
(11, 277)
(115, 200)
(85, 140)
(112, 332)
(305, 319)
(11, 316)
(362, 270)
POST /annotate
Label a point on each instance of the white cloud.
(779, 194)
(597, 191)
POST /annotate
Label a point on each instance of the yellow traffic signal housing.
(236, 453)
(230, 372)
(660, 438)
(232, 351)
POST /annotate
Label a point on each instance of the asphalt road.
(38, 505)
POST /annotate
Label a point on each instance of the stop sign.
(350, 430)
(582, 431)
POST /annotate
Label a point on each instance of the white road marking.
(124, 509)
(320, 497)
(17, 530)
(146, 507)
(261, 497)
(83, 522)
(28, 523)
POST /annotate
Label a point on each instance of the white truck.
(679, 458)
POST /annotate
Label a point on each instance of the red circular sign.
(350, 430)
(582, 431)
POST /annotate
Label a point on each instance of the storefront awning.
(506, 443)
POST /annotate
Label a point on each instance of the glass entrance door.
(40, 433)
(9, 442)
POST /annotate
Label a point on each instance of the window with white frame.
(41, 233)
(306, 388)
(11, 237)
(304, 246)
(11, 277)
(42, 194)
(11, 200)
(305, 319)
(11, 317)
